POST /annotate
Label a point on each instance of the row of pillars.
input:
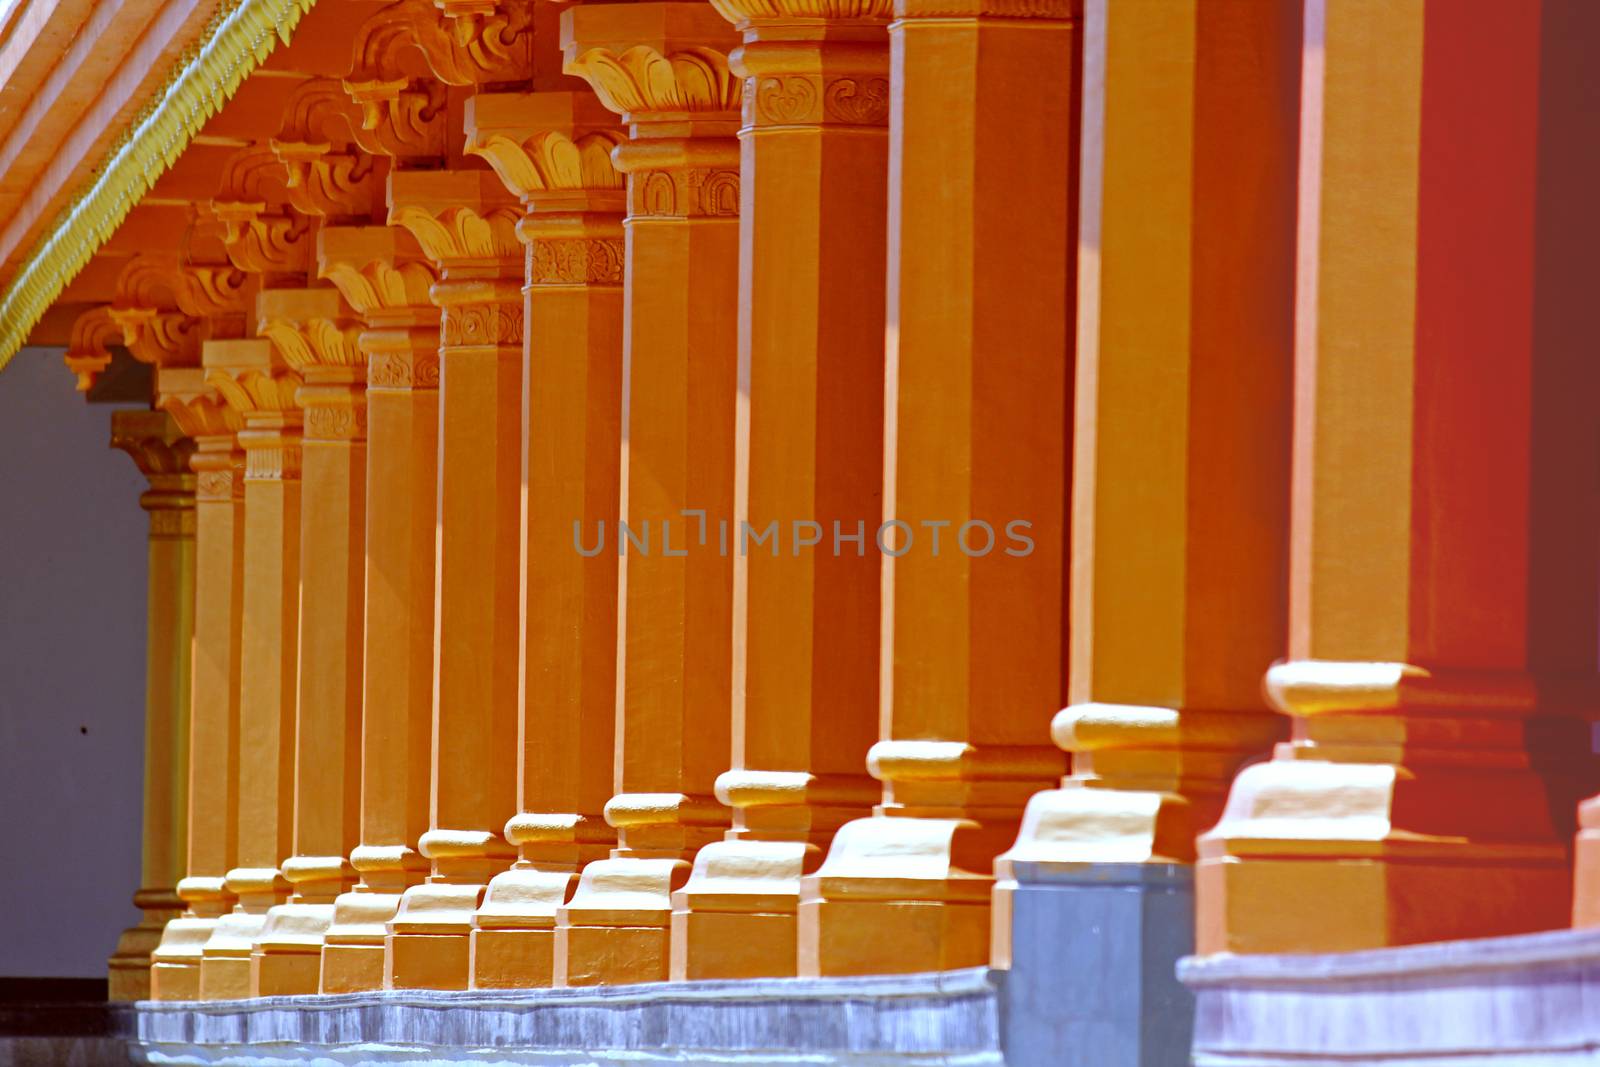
(1281, 312)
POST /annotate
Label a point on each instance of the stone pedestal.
(1094, 953)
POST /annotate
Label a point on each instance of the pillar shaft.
(975, 447)
(809, 465)
(1180, 479)
(552, 149)
(383, 276)
(465, 223)
(256, 383)
(1441, 618)
(213, 748)
(314, 331)
(663, 68)
(162, 452)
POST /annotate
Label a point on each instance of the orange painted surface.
(1436, 756)
(976, 398)
(463, 220)
(552, 150)
(382, 275)
(493, 328)
(679, 363)
(1180, 477)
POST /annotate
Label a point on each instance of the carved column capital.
(553, 151)
(549, 149)
(382, 273)
(664, 67)
(258, 384)
(202, 415)
(653, 61)
(318, 336)
(162, 451)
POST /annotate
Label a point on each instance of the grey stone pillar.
(1093, 965)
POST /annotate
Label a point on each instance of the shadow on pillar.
(1093, 965)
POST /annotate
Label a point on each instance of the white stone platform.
(950, 1017)
(1530, 1000)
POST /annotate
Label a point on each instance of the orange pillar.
(259, 386)
(1181, 450)
(161, 450)
(1442, 617)
(663, 68)
(465, 222)
(315, 333)
(381, 273)
(809, 440)
(553, 150)
(213, 742)
(980, 187)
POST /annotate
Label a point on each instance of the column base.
(286, 959)
(128, 969)
(1094, 961)
(352, 949)
(616, 930)
(225, 960)
(175, 963)
(513, 935)
(735, 917)
(891, 898)
(428, 943)
(1399, 855)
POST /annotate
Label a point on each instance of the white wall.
(72, 602)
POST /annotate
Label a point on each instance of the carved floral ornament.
(642, 80)
(317, 342)
(375, 287)
(810, 99)
(550, 160)
(157, 445)
(461, 234)
(742, 11)
(417, 369)
(482, 324)
(575, 261)
(685, 193)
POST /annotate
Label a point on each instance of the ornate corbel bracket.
(87, 354)
(327, 175)
(261, 233)
(255, 381)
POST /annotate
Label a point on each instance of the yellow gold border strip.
(239, 38)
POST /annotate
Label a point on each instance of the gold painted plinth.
(616, 929)
(1400, 856)
(225, 960)
(736, 916)
(175, 963)
(128, 969)
(894, 897)
(287, 958)
(513, 936)
(428, 944)
(352, 949)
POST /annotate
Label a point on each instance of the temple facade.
(649, 494)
